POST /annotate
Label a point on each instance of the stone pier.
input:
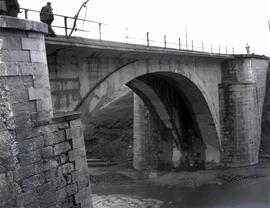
(144, 141)
(241, 99)
(42, 160)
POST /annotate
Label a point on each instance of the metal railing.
(65, 19)
(99, 30)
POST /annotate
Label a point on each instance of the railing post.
(179, 42)
(26, 13)
(219, 49)
(202, 47)
(211, 48)
(126, 35)
(165, 43)
(226, 49)
(192, 45)
(147, 36)
(232, 50)
(99, 28)
(65, 21)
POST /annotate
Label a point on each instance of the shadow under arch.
(185, 82)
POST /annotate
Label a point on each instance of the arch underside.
(193, 94)
(169, 110)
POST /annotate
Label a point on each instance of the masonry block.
(15, 56)
(63, 158)
(49, 139)
(33, 44)
(78, 142)
(77, 154)
(11, 43)
(38, 57)
(51, 174)
(29, 157)
(61, 148)
(61, 194)
(81, 165)
(47, 199)
(74, 133)
(71, 189)
(28, 197)
(33, 182)
(59, 136)
(47, 152)
(76, 123)
(26, 171)
(30, 144)
(32, 93)
(68, 168)
(59, 182)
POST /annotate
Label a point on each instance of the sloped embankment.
(110, 131)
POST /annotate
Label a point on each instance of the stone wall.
(241, 99)
(71, 77)
(42, 160)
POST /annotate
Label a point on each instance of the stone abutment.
(42, 160)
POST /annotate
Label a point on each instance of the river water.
(252, 193)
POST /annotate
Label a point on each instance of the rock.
(124, 201)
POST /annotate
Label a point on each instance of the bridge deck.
(92, 47)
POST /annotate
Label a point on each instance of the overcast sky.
(231, 23)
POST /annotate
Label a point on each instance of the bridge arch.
(186, 83)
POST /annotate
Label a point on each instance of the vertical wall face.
(42, 160)
(144, 142)
(241, 98)
(265, 144)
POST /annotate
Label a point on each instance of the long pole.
(186, 38)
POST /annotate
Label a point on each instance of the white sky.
(226, 22)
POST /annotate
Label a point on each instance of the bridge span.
(223, 95)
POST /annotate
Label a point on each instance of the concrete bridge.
(186, 102)
(217, 97)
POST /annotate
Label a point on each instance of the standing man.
(46, 16)
(13, 8)
(3, 7)
(248, 49)
(9, 8)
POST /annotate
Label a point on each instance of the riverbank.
(124, 187)
(103, 176)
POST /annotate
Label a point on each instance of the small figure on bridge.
(248, 48)
(3, 7)
(46, 16)
(13, 8)
(9, 8)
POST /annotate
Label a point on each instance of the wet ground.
(247, 187)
